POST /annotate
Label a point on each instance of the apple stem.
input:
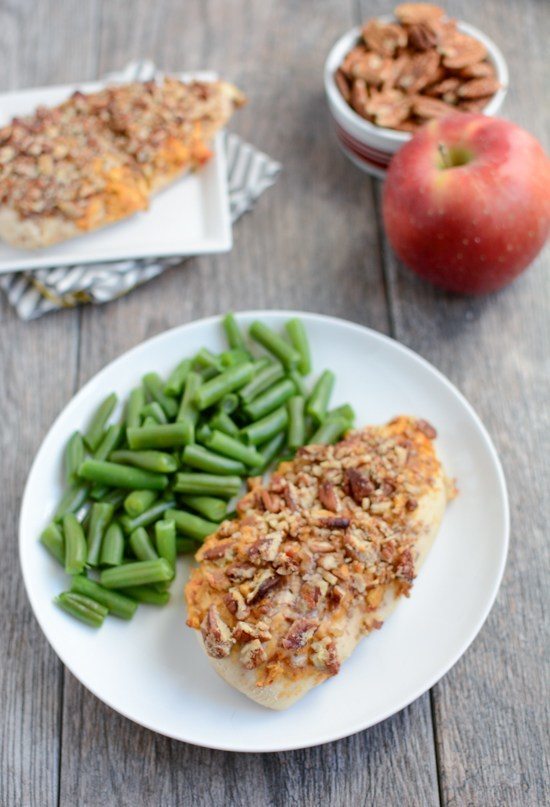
(445, 156)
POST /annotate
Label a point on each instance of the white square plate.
(190, 217)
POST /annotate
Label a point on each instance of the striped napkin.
(34, 293)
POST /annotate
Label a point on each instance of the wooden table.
(314, 242)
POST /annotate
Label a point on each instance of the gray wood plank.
(312, 243)
(39, 43)
(491, 716)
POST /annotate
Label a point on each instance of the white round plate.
(152, 669)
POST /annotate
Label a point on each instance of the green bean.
(94, 432)
(263, 379)
(346, 411)
(230, 358)
(177, 378)
(299, 382)
(74, 455)
(147, 517)
(118, 604)
(230, 447)
(149, 420)
(136, 402)
(83, 608)
(203, 460)
(225, 487)
(329, 431)
(170, 435)
(52, 539)
(209, 507)
(148, 594)
(71, 501)
(157, 461)
(185, 546)
(122, 476)
(154, 411)
(317, 403)
(138, 501)
(271, 399)
(205, 360)
(188, 412)
(298, 336)
(296, 422)
(203, 433)
(138, 573)
(263, 430)
(274, 344)
(165, 537)
(111, 440)
(230, 380)
(271, 449)
(228, 404)
(100, 518)
(233, 333)
(222, 422)
(141, 545)
(154, 386)
(190, 525)
(206, 373)
(75, 544)
(112, 548)
(97, 492)
(114, 497)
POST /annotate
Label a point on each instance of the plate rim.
(329, 320)
(209, 245)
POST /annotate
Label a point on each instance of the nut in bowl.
(383, 80)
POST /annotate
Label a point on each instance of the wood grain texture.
(301, 248)
(313, 242)
(38, 370)
(491, 711)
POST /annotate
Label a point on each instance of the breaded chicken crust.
(318, 558)
(97, 158)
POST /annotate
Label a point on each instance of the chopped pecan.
(426, 428)
(335, 523)
(343, 84)
(245, 632)
(359, 97)
(265, 548)
(405, 566)
(253, 655)
(299, 634)
(421, 70)
(217, 551)
(235, 603)
(357, 486)
(327, 497)
(239, 572)
(262, 583)
(270, 501)
(216, 634)
(324, 655)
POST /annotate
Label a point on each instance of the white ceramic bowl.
(371, 147)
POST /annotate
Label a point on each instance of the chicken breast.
(98, 158)
(317, 559)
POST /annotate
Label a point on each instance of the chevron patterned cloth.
(34, 293)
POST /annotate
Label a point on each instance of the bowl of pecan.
(387, 78)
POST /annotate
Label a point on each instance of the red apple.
(467, 202)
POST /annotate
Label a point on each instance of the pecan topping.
(299, 634)
(357, 486)
(216, 635)
(335, 523)
(426, 428)
(263, 583)
(253, 654)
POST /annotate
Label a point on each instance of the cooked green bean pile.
(157, 483)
